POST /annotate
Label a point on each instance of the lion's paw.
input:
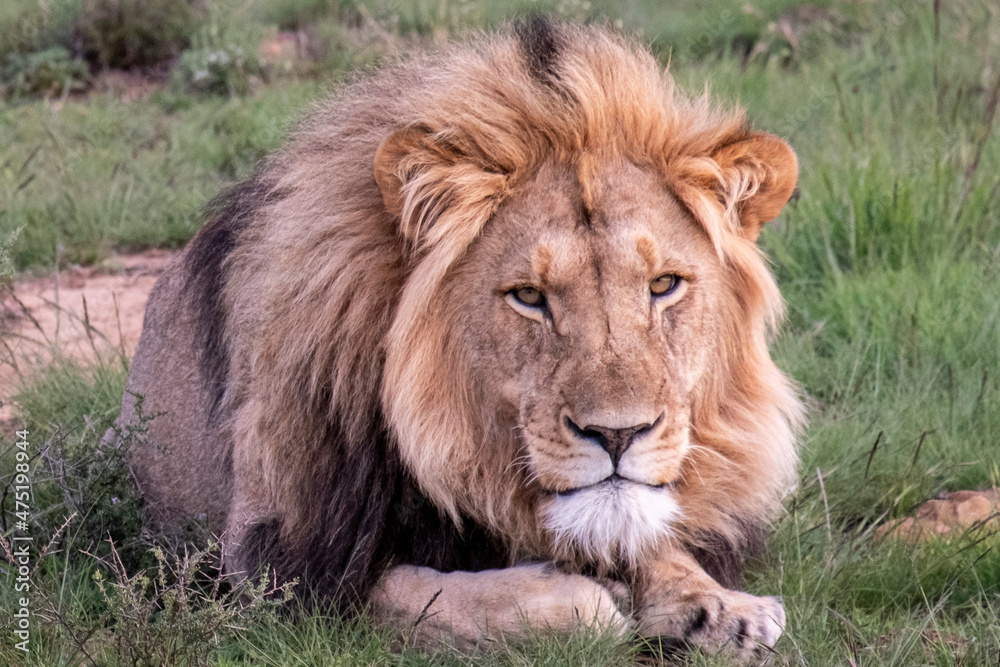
(741, 625)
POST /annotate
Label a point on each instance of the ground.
(83, 312)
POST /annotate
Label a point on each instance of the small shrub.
(94, 480)
(74, 471)
(219, 62)
(7, 259)
(227, 70)
(182, 614)
(50, 72)
(135, 33)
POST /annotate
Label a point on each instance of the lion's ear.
(389, 164)
(760, 171)
(423, 175)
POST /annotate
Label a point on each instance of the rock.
(949, 515)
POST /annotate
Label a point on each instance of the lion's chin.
(614, 520)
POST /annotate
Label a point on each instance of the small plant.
(53, 71)
(179, 611)
(183, 613)
(75, 471)
(221, 61)
(7, 260)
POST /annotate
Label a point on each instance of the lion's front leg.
(470, 608)
(680, 601)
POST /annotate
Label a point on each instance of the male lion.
(485, 345)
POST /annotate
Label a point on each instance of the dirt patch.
(81, 312)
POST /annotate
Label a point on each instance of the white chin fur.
(611, 520)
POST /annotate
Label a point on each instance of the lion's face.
(594, 324)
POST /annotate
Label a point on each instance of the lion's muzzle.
(615, 441)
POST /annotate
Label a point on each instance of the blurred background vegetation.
(119, 119)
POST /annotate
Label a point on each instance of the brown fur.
(356, 412)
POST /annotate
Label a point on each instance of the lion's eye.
(529, 296)
(664, 285)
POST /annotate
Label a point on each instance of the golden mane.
(321, 328)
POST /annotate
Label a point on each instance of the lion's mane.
(330, 362)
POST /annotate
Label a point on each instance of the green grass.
(102, 176)
(889, 259)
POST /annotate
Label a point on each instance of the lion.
(484, 349)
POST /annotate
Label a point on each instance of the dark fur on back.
(227, 216)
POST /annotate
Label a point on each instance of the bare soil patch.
(80, 313)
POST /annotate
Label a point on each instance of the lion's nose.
(615, 441)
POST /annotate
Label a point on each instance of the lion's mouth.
(615, 480)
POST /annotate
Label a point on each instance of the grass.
(889, 259)
(103, 176)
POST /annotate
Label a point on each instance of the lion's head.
(579, 356)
